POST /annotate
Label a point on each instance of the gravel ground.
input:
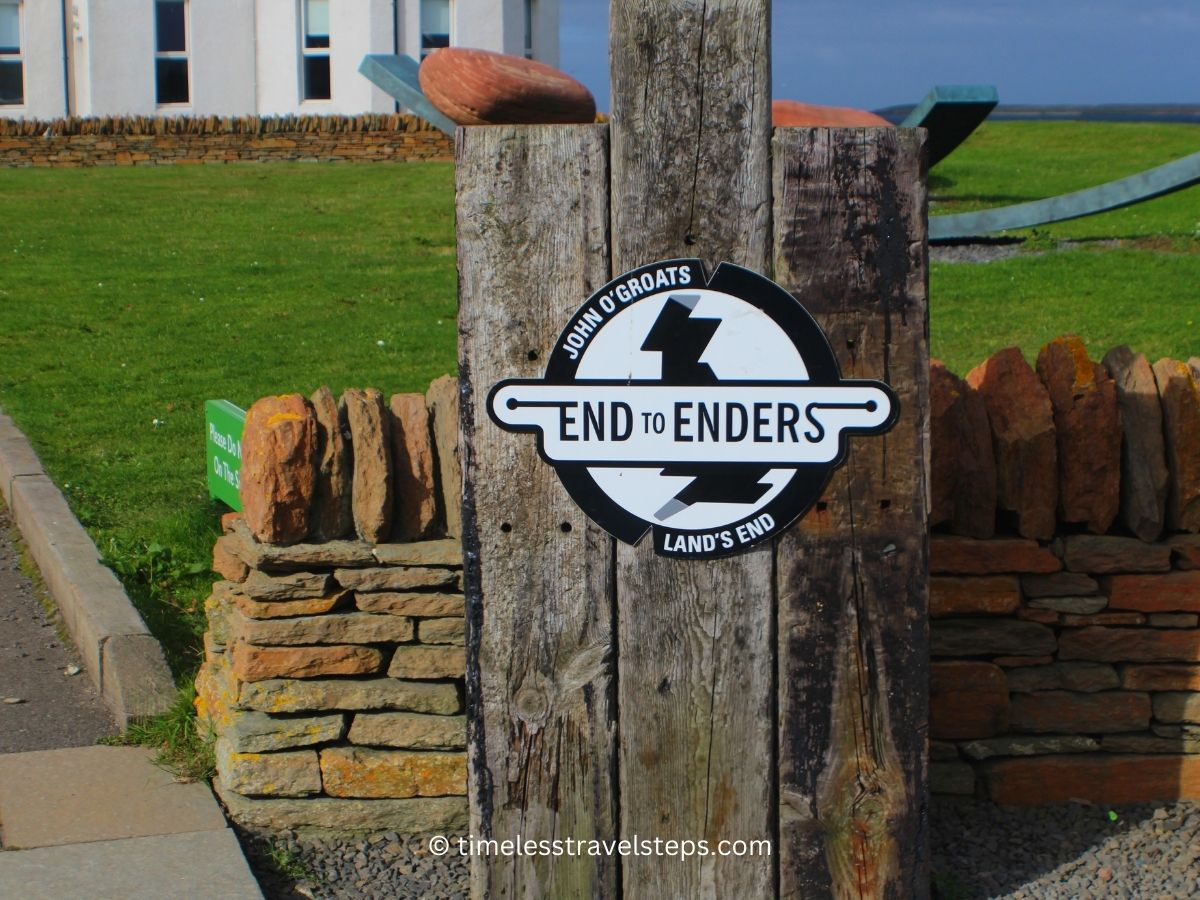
(1068, 852)
(379, 867)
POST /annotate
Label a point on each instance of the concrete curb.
(123, 658)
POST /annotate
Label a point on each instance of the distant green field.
(129, 296)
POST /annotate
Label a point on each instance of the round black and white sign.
(709, 411)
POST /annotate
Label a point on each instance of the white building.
(238, 57)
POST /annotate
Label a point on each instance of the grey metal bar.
(398, 76)
(950, 112)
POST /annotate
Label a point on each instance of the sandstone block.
(967, 700)
(1177, 706)
(1129, 645)
(442, 552)
(415, 514)
(276, 558)
(1160, 678)
(1064, 676)
(1148, 743)
(1174, 620)
(962, 461)
(216, 694)
(411, 731)
(217, 609)
(278, 609)
(1018, 662)
(951, 778)
(1102, 779)
(1068, 712)
(419, 663)
(479, 87)
(1143, 454)
(286, 695)
(297, 586)
(408, 604)
(417, 815)
(226, 562)
(336, 628)
(332, 512)
(261, 663)
(1022, 423)
(294, 773)
(1059, 584)
(371, 443)
(362, 772)
(1101, 555)
(793, 114)
(1180, 396)
(1080, 606)
(400, 578)
(1169, 592)
(964, 556)
(442, 398)
(1088, 427)
(256, 732)
(990, 637)
(450, 630)
(1104, 618)
(279, 464)
(995, 595)
(1185, 551)
(1029, 745)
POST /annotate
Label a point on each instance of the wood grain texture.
(850, 213)
(691, 177)
(532, 236)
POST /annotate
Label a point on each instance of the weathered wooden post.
(614, 693)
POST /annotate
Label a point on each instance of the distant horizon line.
(1187, 113)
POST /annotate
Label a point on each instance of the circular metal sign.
(710, 411)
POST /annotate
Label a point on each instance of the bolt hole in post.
(822, 506)
(689, 239)
(532, 355)
(505, 527)
(884, 504)
(565, 527)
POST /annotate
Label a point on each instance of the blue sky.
(875, 53)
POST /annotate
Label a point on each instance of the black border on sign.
(809, 480)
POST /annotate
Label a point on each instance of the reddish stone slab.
(1144, 473)
(412, 457)
(1160, 678)
(279, 468)
(1180, 395)
(261, 663)
(967, 700)
(1102, 555)
(1087, 424)
(332, 512)
(965, 556)
(962, 461)
(1101, 779)
(371, 441)
(1129, 645)
(1069, 712)
(994, 595)
(480, 87)
(1168, 592)
(1022, 422)
(794, 113)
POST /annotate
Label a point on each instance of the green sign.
(223, 424)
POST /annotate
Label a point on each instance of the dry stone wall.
(144, 141)
(334, 655)
(1065, 578)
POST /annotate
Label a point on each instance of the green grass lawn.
(129, 296)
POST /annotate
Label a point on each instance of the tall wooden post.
(612, 693)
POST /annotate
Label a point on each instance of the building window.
(435, 25)
(316, 50)
(170, 52)
(528, 29)
(12, 80)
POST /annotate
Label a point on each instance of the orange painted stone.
(260, 663)
(967, 700)
(1100, 779)
(793, 113)
(1161, 678)
(361, 772)
(1180, 394)
(1022, 421)
(965, 556)
(412, 459)
(962, 462)
(279, 468)
(995, 595)
(1088, 425)
(1129, 645)
(1168, 592)
(480, 87)
(1069, 712)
